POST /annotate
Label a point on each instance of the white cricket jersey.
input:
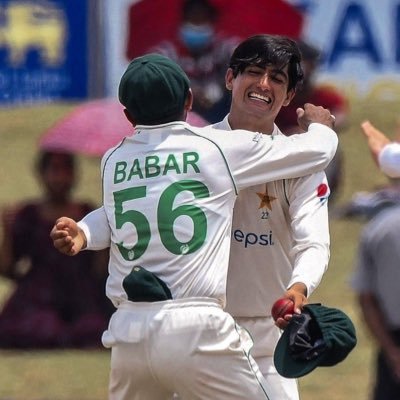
(280, 235)
(168, 194)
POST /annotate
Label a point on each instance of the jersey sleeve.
(97, 230)
(308, 210)
(389, 160)
(263, 158)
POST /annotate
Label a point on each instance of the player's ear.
(289, 96)
(229, 79)
(189, 101)
(129, 117)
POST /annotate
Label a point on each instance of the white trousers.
(190, 347)
(279, 387)
(265, 335)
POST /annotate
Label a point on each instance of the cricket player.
(168, 194)
(280, 229)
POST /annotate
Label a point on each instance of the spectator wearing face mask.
(203, 55)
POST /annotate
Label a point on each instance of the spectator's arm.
(7, 258)
(376, 323)
(375, 138)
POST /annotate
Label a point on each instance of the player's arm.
(67, 237)
(308, 210)
(96, 229)
(91, 233)
(256, 158)
(314, 114)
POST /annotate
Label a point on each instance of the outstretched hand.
(67, 237)
(375, 138)
(311, 113)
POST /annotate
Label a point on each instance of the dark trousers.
(386, 386)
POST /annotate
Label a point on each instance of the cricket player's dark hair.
(265, 50)
(45, 156)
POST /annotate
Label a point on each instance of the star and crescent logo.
(265, 200)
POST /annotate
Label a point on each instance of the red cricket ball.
(281, 308)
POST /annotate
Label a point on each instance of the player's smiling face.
(259, 91)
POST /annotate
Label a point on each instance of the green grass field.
(83, 375)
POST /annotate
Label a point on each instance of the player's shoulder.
(110, 152)
(217, 132)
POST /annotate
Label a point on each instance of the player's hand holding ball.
(281, 311)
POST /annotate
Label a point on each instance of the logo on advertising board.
(36, 44)
(360, 44)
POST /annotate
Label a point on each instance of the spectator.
(57, 301)
(375, 280)
(203, 55)
(321, 95)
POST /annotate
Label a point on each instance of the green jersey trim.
(285, 192)
(222, 155)
(105, 163)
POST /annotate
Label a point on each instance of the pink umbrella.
(93, 127)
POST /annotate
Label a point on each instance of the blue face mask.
(196, 37)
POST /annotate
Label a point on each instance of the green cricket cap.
(142, 285)
(153, 88)
(319, 336)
